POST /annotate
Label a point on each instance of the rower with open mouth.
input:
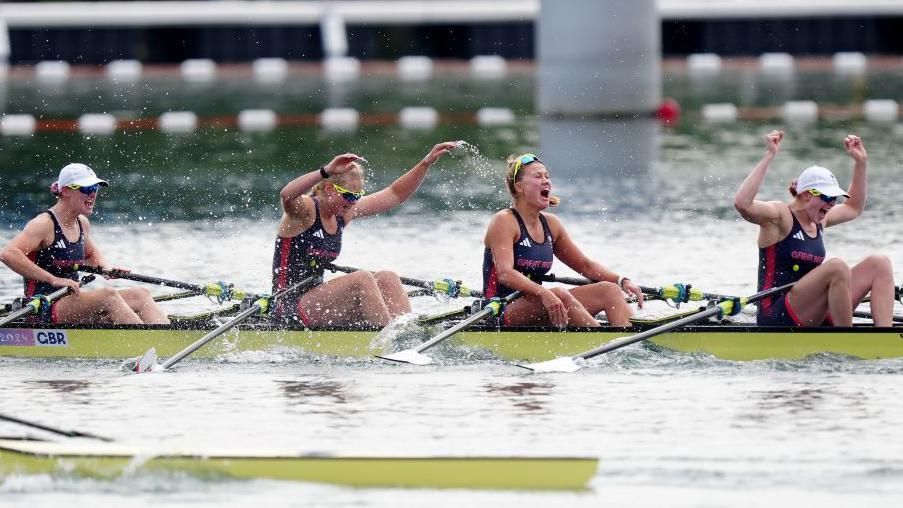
(49, 251)
(520, 244)
(791, 246)
(316, 208)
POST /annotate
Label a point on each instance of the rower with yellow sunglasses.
(792, 249)
(316, 208)
(520, 244)
(49, 250)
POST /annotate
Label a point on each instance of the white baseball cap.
(78, 174)
(820, 179)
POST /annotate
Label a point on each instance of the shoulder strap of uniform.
(520, 222)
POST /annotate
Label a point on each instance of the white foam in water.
(387, 339)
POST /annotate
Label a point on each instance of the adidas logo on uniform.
(60, 244)
(318, 233)
(799, 236)
(526, 243)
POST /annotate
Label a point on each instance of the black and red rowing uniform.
(300, 257)
(60, 259)
(531, 258)
(782, 263)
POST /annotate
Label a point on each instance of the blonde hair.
(511, 178)
(356, 172)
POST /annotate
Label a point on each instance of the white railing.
(389, 12)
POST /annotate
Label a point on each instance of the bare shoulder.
(38, 232)
(86, 224)
(555, 224)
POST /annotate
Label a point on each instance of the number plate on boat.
(33, 337)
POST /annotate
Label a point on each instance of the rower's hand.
(855, 148)
(773, 141)
(632, 289)
(555, 308)
(59, 282)
(341, 164)
(439, 150)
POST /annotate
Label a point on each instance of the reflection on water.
(525, 396)
(315, 392)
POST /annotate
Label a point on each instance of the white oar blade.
(145, 363)
(407, 356)
(562, 364)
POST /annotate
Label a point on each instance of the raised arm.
(571, 255)
(402, 188)
(751, 209)
(292, 195)
(38, 233)
(853, 206)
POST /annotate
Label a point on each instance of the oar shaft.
(120, 274)
(28, 308)
(225, 327)
(61, 432)
(660, 292)
(407, 281)
(714, 311)
(486, 312)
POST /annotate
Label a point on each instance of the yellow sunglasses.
(348, 195)
(522, 161)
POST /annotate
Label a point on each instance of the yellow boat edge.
(489, 473)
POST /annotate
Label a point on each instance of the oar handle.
(34, 305)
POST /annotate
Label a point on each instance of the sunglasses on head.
(348, 195)
(827, 199)
(522, 161)
(87, 190)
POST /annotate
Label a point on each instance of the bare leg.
(351, 299)
(393, 293)
(529, 311)
(99, 305)
(605, 296)
(824, 289)
(875, 274)
(143, 304)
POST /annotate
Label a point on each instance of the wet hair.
(511, 179)
(356, 172)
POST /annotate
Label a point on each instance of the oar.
(680, 293)
(148, 361)
(34, 305)
(414, 356)
(728, 306)
(176, 296)
(451, 288)
(67, 433)
(218, 290)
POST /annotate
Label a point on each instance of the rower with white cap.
(791, 246)
(49, 250)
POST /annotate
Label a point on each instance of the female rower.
(791, 247)
(520, 243)
(316, 208)
(52, 245)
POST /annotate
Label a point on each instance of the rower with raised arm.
(316, 208)
(791, 246)
(520, 243)
(49, 250)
